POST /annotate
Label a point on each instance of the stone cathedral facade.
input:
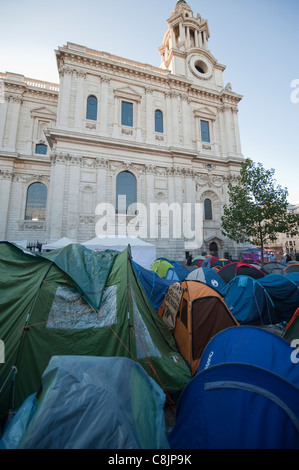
(112, 127)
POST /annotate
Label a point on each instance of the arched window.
(208, 209)
(158, 121)
(86, 202)
(36, 202)
(92, 108)
(41, 149)
(126, 191)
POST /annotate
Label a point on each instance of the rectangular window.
(126, 114)
(205, 131)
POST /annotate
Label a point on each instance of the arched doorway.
(213, 248)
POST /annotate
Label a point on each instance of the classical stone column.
(104, 105)
(56, 198)
(72, 212)
(237, 131)
(80, 105)
(175, 118)
(149, 115)
(64, 97)
(186, 122)
(115, 130)
(228, 128)
(168, 118)
(3, 115)
(138, 126)
(5, 189)
(15, 105)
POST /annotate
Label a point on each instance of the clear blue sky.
(258, 41)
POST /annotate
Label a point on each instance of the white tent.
(143, 253)
(64, 241)
(22, 243)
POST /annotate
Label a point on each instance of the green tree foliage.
(257, 210)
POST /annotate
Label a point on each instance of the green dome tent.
(77, 302)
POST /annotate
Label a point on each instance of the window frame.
(159, 121)
(204, 122)
(41, 145)
(210, 209)
(117, 193)
(127, 119)
(31, 209)
(88, 116)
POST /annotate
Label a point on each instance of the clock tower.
(185, 49)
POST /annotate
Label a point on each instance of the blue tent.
(237, 406)
(249, 302)
(177, 273)
(254, 346)
(284, 292)
(245, 395)
(155, 286)
(210, 277)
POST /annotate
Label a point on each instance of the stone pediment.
(127, 92)
(205, 112)
(43, 112)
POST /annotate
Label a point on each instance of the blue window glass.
(158, 121)
(126, 185)
(126, 113)
(41, 149)
(36, 202)
(92, 108)
(208, 209)
(205, 131)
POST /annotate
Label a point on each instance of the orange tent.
(195, 312)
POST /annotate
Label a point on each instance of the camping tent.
(209, 261)
(196, 259)
(220, 263)
(177, 273)
(90, 403)
(61, 243)
(291, 268)
(229, 271)
(292, 330)
(77, 302)
(143, 253)
(245, 395)
(161, 266)
(254, 346)
(273, 267)
(155, 286)
(249, 302)
(284, 292)
(208, 276)
(237, 406)
(196, 312)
